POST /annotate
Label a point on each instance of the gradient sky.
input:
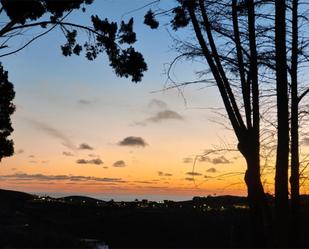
(72, 115)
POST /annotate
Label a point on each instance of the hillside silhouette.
(75, 221)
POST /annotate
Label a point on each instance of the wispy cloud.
(42, 177)
(204, 159)
(220, 160)
(66, 153)
(85, 146)
(119, 164)
(20, 151)
(156, 103)
(93, 155)
(193, 174)
(138, 123)
(207, 176)
(187, 160)
(161, 113)
(96, 161)
(82, 161)
(216, 160)
(211, 170)
(189, 179)
(146, 182)
(160, 173)
(133, 141)
(53, 132)
(84, 102)
(165, 115)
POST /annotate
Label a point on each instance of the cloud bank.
(42, 177)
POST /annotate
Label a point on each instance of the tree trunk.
(282, 160)
(248, 137)
(259, 210)
(257, 204)
(294, 179)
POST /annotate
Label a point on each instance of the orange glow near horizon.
(73, 117)
(143, 174)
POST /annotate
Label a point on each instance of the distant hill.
(81, 199)
(13, 200)
(11, 195)
(30, 221)
(219, 201)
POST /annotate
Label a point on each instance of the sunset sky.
(79, 129)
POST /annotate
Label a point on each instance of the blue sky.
(69, 99)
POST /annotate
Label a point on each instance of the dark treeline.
(204, 222)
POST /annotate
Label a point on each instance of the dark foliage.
(107, 36)
(21, 11)
(150, 20)
(127, 35)
(6, 109)
(126, 62)
(181, 18)
(71, 46)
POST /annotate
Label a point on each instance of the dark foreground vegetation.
(30, 221)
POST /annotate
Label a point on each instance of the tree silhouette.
(282, 159)
(247, 131)
(7, 108)
(295, 100)
(103, 37)
(246, 44)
